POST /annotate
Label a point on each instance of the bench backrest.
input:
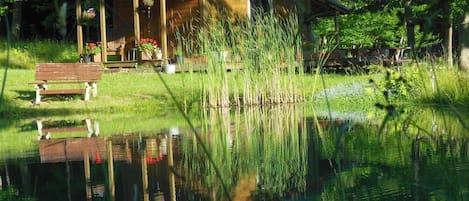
(68, 71)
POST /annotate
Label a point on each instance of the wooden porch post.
(336, 26)
(79, 27)
(102, 25)
(136, 22)
(164, 31)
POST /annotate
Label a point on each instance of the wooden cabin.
(124, 22)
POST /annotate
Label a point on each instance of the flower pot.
(179, 59)
(146, 55)
(86, 58)
(97, 57)
(148, 3)
(159, 56)
(88, 15)
(170, 68)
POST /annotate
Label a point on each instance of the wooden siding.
(179, 14)
(238, 7)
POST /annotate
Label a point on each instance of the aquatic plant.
(256, 143)
(261, 54)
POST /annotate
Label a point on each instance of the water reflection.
(45, 131)
(270, 153)
(133, 166)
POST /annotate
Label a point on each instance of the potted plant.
(148, 3)
(147, 46)
(90, 13)
(179, 55)
(92, 52)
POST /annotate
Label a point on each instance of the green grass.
(136, 92)
(25, 54)
(116, 92)
(126, 92)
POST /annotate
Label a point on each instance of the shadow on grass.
(24, 95)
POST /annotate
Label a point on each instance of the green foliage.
(25, 54)
(395, 86)
(375, 30)
(3, 9)
(11, 194)
(381, 24)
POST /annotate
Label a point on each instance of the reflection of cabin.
(130, 20)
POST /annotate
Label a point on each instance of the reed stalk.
(264, 142)
(261, 55)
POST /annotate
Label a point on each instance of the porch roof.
(327, 8)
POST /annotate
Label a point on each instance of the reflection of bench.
(67, 74)
(45, 133)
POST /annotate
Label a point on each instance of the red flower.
(147, 44)
(92, 48)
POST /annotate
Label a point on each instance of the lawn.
(131, 92)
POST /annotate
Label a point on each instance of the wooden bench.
(67, 74)
(45, 133)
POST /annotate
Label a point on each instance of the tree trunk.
(464, 44)
(449, 33)
(409, 24)
(16, 20)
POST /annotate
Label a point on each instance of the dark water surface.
(278, 153)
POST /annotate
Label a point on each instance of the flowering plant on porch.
(92, 48)
(148, 44)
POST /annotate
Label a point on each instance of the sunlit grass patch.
(25, 54)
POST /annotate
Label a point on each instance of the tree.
(409, 23)
(464, 44)
(17, 13)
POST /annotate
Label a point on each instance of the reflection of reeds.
(263, 142)
(261, 54)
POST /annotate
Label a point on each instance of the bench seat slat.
(96, 75)
(63, 91)
(63, 82)
(64, 130)
(67, 66)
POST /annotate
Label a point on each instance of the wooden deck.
(133, 63)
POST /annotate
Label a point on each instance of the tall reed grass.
(260, 53)
(264, 144)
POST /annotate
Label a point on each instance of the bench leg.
(87, 91)
(88, 126)
(95, 89)
(96, 128)
(38, 88)
(39, 129)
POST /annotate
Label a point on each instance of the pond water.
(278, 153)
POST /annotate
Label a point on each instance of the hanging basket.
(148, 3)
(88, 15)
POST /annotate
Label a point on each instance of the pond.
(290, 152)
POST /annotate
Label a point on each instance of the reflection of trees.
(258, 148)
(421, 154)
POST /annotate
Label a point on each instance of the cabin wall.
(238, 7)
(120, 24)
(150, 25)
(180, 14)
(284, 7)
